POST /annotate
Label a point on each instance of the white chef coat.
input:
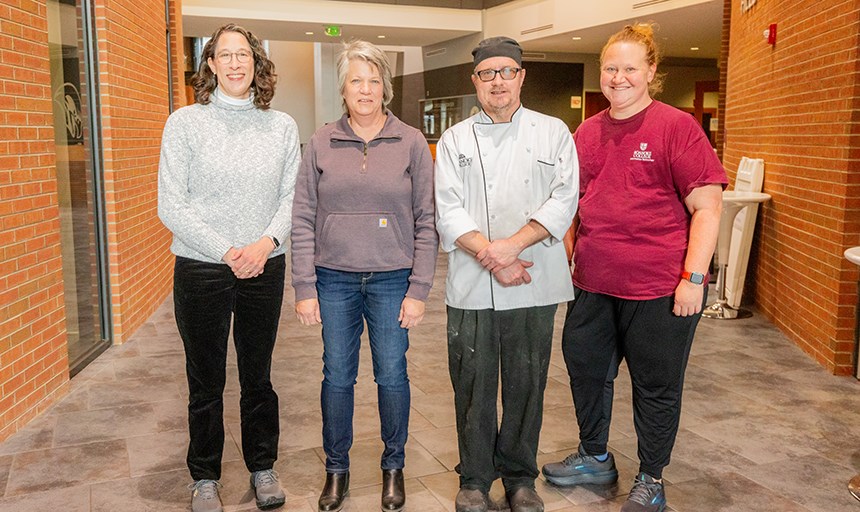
(494, 178)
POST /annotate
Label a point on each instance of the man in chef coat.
(506, 192)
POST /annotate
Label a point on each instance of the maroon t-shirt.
(634, 175)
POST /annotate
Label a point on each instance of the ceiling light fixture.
(380, 37)
(576, 38)
(694, 48)
(309, 33)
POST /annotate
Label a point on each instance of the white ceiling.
(679, 29)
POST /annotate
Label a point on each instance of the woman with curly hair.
(225, 189)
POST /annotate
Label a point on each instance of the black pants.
(599, 330)
(206, 296)
(480, 344)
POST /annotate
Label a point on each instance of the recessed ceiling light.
(694, 48)
(380, 37)
(309, 33)
(576, 38)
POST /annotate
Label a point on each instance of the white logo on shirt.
(642, 155)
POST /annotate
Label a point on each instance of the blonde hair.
(640, 33)
(373, 55)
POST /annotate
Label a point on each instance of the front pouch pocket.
(370, 240)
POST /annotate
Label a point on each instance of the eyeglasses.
(507, 72)
(226, 57)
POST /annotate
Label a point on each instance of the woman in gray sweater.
(225, 189)
(364, 249)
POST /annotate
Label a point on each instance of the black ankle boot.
(335, 489)
(393, 490)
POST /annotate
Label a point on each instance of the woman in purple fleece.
(364, 249)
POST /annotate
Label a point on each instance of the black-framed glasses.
(507, 72)
(242, 56)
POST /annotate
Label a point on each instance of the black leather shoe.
(525, 499)
(471, 500)
(335, 489)
(393, 491)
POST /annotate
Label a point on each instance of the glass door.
(79, 185)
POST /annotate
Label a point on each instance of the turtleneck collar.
(224, 101)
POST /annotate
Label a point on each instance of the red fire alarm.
(770, 34)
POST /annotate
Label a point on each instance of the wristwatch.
(275, 241)
(693, 277)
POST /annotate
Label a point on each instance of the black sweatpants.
(600, 330)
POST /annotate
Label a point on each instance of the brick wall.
(33, 356)
(796, 105)
(134, 91)
(135, 104)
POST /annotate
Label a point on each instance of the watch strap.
(694, 277)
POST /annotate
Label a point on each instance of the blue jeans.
(347, 299)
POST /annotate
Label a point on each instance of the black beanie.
(499, 46)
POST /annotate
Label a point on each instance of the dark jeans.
(600, 330)
(206, 296)
(481, 345)
(346, 300)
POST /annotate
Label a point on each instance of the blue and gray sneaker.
(579, 468)
(646, 495)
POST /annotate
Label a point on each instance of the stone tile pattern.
(764, 428)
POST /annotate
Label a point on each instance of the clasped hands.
(501, 257)
(248, 262)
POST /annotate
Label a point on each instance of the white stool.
(853, 255)
(733, 202)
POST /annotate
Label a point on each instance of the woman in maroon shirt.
(649, 213)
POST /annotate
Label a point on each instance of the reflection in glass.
(75, 185)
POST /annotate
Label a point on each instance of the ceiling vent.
(437, 51)
(534, 56)
(648, 3)
(536, 29)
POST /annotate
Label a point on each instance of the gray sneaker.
(645, 496)
(204, 496)
(268, 489)
(579, 468)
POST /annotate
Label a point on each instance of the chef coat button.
(493, 217)
(528, 150)
(490, 186)
(527, 181)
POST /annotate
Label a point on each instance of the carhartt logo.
(465, 162)
(642, 155)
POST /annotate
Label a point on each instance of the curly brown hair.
(263, 85)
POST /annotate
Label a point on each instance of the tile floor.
(764, 429)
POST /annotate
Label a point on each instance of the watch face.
(697, 278)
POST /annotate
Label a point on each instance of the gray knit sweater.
(226, 177)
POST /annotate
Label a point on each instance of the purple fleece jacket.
(365, 207)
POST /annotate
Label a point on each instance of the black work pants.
(206, 297)
(600, 330)
(481, 345)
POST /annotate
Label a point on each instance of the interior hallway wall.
(294, 92)
(797, 106)
(135, 96)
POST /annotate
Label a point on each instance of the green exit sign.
(332, 30)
